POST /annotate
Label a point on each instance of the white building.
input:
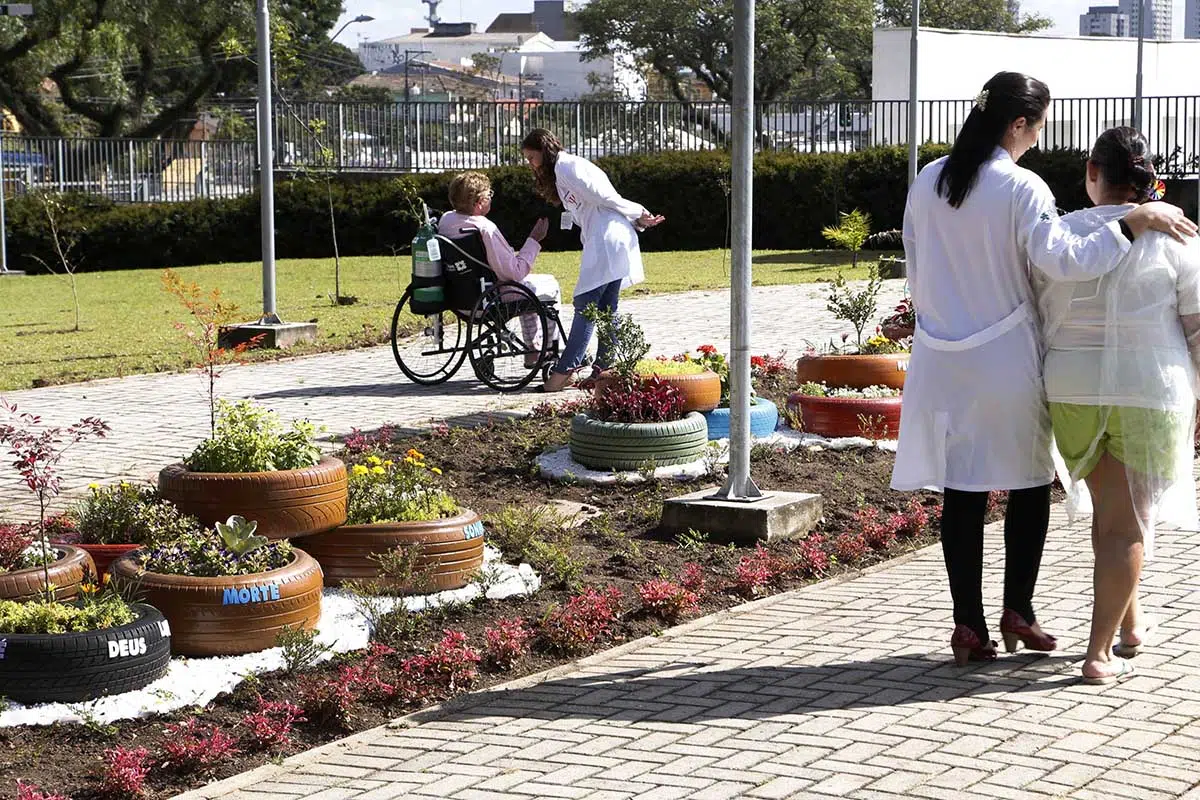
(1191, 19)
(1104, 21)
(454, 44)
(954, 65)
(556, 71)
(1158, 23)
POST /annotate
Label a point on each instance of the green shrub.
(251, 439)
(123, 513)
(40, 616)
(205, 555)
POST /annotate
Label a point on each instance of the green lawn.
(128, 321)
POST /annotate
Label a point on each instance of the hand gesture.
(1163, 217)
(648, 220)
(540, 229)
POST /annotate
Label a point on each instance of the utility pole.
(914, 111)
(1137, 97)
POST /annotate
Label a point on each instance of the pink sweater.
(508, 264)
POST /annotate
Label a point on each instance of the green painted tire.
(627, 446)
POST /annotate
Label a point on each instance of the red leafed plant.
(507, 641)
(366, 679)
(633, 400)
(192, 746)
(358, 442)
(448, 667)
(329, 700)
(756, 571)
(567, 408)
(125, 771)
(31, 791)
(812, 558)
(584, 620)
(692, 578)
(666, 599)
(877, 532)
(849, 547)
(14, 539)
(916, 517)
(270, 727)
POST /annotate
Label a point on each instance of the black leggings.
(1025, 523)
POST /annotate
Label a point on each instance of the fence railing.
(435, 136)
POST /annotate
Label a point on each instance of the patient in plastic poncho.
(1120, 375)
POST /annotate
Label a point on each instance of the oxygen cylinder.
(428, 281)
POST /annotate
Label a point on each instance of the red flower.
(707, 349)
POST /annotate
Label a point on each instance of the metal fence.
(435, 136)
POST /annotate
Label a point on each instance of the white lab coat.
(974, 416)
(605, 220)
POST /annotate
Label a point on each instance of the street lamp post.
(1137, 97)
(349, 22)
(914, 130)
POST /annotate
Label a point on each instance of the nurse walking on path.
(608, 227)
(974, 417)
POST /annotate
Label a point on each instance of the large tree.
(968, 15)
(803, 48)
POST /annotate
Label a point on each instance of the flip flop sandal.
(1130, 650)
(1121, 674)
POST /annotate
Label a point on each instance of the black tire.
(429, 369)
(616, 445)
(72, 667)
(495, 342)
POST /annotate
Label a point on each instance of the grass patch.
(128, 321)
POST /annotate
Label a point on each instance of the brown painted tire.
(837, 417)
(855, 372)
(896, 332)
(286, 504)
(204, 620)
(452, 548)
(701, 391)
(66, 574)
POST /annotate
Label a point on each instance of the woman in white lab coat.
(974, 417)
(1121, 379)
(608, 227)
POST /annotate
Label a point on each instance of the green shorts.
(1140, 438)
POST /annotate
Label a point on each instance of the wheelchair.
(480, 320)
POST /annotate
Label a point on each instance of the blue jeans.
(605, 297)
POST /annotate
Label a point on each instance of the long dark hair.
(1007, 97)
(548, 145)
(1123, 156)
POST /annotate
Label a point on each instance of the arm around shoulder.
(1049, 243)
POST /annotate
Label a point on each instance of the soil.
(486, 469)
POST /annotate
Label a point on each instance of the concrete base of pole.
(280, 336)
(13, 272)
(778, 515)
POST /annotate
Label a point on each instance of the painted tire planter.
(73, 568)
(104, 554)
(451, 548)
(231, 614)
(285, 504)
(837, 417)
(764, 418)
(627, 446)
(896, 332)
(855, 372)
(72, 667)
(701, 391)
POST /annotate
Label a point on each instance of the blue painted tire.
(764, 418)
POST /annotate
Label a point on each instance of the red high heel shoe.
(967, 647)
(1014, 628)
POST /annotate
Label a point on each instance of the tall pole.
(3, 229)
(1137, 96)
(740, 486)
(914, 127)
(266, 166)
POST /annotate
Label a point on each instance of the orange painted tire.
(451, 548)
(286, 504)
(228, 615)
(836, 417)
(855, 372)
(701, 391)
(66, 574)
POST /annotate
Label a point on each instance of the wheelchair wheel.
(434, 353)
(503, 354)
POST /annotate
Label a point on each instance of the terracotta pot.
(228, 615)
(104, 554)
(451, 549)
(65, 574)
(896, 332)
(701, 391)
(836, 417)
(855, 372)
(286, 504)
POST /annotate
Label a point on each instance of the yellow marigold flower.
(93, 486)
(435, 470)
(374, 460)
(87, 588)
(378, 470)
(106, 579)
(359, 469)
(388, 463)
(409, 460)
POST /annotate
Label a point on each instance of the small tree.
(850, 233)
(37, 451)
(626, 340)
(857, 308)
(64, 242)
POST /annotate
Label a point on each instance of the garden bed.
(488, 469)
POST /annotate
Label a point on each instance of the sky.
(396, 17)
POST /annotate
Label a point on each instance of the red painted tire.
(451, 548)
(855, 372)
(228, 615)
(66, 574)
(105, 554)
(285, 504)
(837, 417)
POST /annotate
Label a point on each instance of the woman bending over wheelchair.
(608, 225)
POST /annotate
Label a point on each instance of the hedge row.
(795, 195)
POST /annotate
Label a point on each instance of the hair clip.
(981, 100)
(1159, 190)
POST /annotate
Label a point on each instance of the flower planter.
(630, 445)
(285, 504)
(231, 614)
(896, 331)
(701, 391)
(836, 417)
(854, 371)
(73, 568)
(73, 667)
(764, 418)
(451, 548)
(104, 554)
